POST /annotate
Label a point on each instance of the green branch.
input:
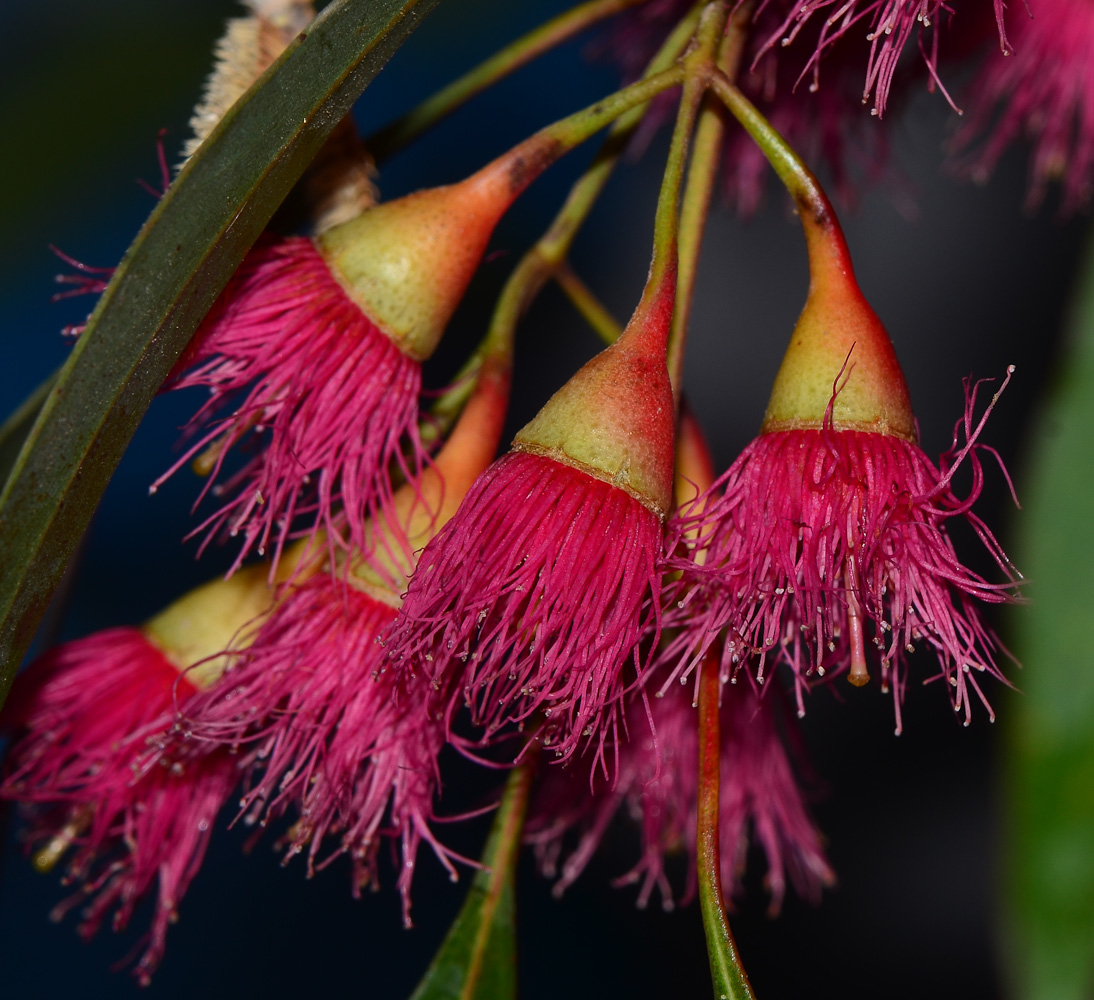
(388, 140)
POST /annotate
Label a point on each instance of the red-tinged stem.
(726, 971)
(514, 170)
(828, 254)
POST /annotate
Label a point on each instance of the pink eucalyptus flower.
(658, 786)
(320, 343)
(326, 730)
(331, 733)
(80, 704)
(533, 599)
(329, 401)
(536, 595)
(814, 536)
(1044, 90)
(86, 709)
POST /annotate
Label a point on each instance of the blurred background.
(966, 283)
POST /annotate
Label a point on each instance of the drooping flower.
(657, 785)
(833, 523)
(331, 399)
(315, 348)
(1044, 91)
(85, 711)
(322, 728)
(538, 591)
(326, 732)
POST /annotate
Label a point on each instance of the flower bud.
(407, 263)
(615, 419)
(840, 365)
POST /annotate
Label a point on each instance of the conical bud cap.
(407, 262)
(839, 342)
(615, 419)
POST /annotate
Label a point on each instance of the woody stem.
(528, 159)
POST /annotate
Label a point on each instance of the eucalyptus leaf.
(14, 430)
(168, 279)
(478, 959)
(1049, 941)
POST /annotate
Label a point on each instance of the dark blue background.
(966, 286)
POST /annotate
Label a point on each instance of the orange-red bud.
(420, 509)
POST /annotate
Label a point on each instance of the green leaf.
(1049, 939)
(478, 959)
(14, 430)
(171, 275)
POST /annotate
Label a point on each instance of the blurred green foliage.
(1049, 866)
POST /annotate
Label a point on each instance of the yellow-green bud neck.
(840, 362)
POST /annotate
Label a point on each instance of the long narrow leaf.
(15, 430)
(478, 959)
(1049, 947)
(169, 278)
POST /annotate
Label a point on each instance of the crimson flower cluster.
(418, 594)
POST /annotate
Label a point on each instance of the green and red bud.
(407, 263)
(615, 419)
(840, 356)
